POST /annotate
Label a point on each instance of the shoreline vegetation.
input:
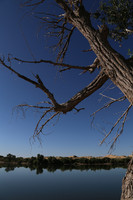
(51, 163)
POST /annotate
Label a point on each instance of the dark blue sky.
(72, 134)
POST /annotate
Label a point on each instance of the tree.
(11, 157)
(111, 64)
(115, 20)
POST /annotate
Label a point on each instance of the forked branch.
(55, 107)
(108, 104)
(38, 129)
(123, 116)
(38, 84)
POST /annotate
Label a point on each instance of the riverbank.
(51, 163)
(40, 160)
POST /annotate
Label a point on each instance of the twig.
(38, 131)
(33, 106)
(32, 4)
(119, 119)
(109, 103)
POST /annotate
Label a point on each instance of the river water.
(24, 184)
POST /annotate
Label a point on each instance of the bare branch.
(122, 126)
(63, 51)
(83, 94)
(53, 63)
(124, 115)
(89, 68)
(79, 109)
(87, 50)
(34, 106)
(58, 27)
(129, 31)
(109, 104)
(29, 3)
(55, 107)
(38, 84)
(44, 114)
(18, 74)
(108, 97)
(96, 64)
(49, 94)
(38, 131)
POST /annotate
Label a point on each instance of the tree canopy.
(118, 14)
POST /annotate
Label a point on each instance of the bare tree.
(111, 64)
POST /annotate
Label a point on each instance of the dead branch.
(29, 3)
(58, 28)
(78, 109)
(129, 31)
(87, 50)
(89, 68)
(63, 50)
(76, 99)
(33, 106)
(122, 126)
(108, 104)
(64, 33)
(38, 131)
(83, 94)
(38, 84)
(52, 63)
(124, 115)
(54, 106)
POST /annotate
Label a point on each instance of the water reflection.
(64, 184)
(53, 168)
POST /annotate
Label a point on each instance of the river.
(25, 184)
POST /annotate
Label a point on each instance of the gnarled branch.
(54, 106)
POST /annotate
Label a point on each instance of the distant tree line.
(52, 163)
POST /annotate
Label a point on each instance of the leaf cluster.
(119, 15)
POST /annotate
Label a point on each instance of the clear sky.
(21, 35)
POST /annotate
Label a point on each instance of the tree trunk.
(127, 183)
(116, 67)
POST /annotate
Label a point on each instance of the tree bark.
(116, 67)
(127, 183)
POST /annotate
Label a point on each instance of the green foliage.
(10, 157)
(130, 53)
(53, 160)
(64, 163)
(40, 158)
(119, 15)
